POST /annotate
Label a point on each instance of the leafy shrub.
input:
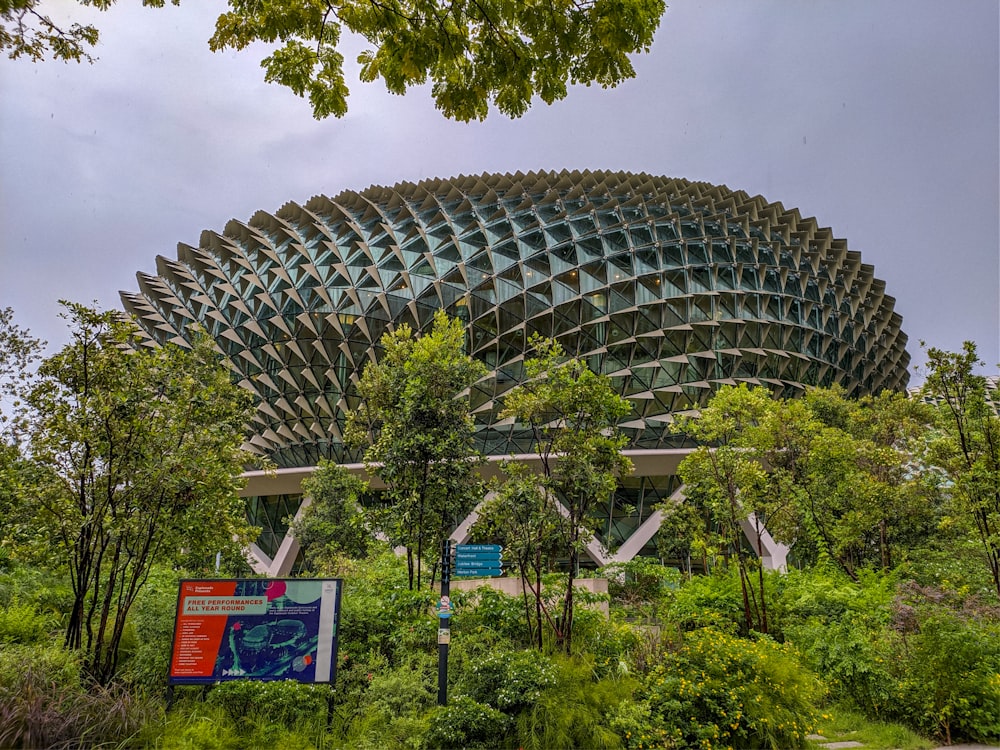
(709, 601)
(407, 689)
(50, 594)
(489, 612)
(950, 681)
(44, 704)
(285, 704)
(827, 595)
(721, 689)
(641, 586)
(464, 723)
(852, 660)
(382, 614)
(508, 680)
(379, 706)
(609, 642)
(21, 622)
(841, 627)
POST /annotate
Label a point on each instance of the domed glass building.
(669, 287)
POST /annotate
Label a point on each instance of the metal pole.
(444, 622)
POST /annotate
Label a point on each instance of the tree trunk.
(760, 572)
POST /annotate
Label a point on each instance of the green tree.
(136, 459)
(832, 476)
(524, 516)
(414, 419)
(846, 471)
(681, 532)
(474, 52)
(333, 524)
(573, 414)
(725, 476)
(28, 30)
(19, 351)
(968, 446)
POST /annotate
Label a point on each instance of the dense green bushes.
(948, 668)
(671, 667)
(719, 690)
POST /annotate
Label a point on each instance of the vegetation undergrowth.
(841, 723)
(887, 625)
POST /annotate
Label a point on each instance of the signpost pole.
(444, 622)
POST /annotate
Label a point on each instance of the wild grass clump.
(44, 703)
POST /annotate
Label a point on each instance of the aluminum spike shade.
(669, 287)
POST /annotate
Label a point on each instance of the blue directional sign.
(479, 560)
(462, 550)
(479, 572)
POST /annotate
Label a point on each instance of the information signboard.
(478, 560)
(256, 628)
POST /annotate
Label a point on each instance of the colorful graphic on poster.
(256, 628)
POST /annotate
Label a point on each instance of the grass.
(839, 723)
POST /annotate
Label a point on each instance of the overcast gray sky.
(878, 117)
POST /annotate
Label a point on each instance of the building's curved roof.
(669, 287)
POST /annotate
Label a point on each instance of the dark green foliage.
(608, 643)
(287, 704)
(948, 664)
(921, 656)
(333, 524)
(721, 689)
(463, 723)
(380, 613)
(709, 601)
(492, 615)
(640, 585)
(575, 712)
(853, 661)
(33, 603)
(507, 680)
(19, 351)
(21, 622)
(841, 627)
(416, 430)
(838, 486)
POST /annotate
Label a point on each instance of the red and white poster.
(256, 628)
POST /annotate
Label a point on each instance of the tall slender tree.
(573, 414)
(725, 475)
(136, 459)
(415, 423)
(523, 514)
(968, 446)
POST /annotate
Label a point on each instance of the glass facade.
(669, 287)
(270, 514)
